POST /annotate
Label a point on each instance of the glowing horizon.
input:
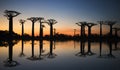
(65, 12)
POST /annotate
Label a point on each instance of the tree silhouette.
(41, 21)
(10, 14)
(33, 20)
(101, 23)
(51, 54)
(116, 36)
(110, 24)
(74, 32)
(10, 62)
(90, 25)
(51, 22)
(82, 25)
(33, 57)
(116, 31)
(82, 49)
(22, 49)
(54, 31)
(54, 38)
(22, 23)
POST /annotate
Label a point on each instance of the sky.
(65, 12)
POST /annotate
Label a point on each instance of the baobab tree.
(33, 20)
(116, 36)
(82, 25)
(116, 31)
(10, 62)
(110, 24)
(41, 44)
(51, 22)
(42, 26)
(40, 19)
(10, 14)
(22, 23)
(101, 23)
(90, 25)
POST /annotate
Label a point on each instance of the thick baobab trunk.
(22, 30)
(51, 32)
(32, 30)
(110, 30)
(10, 25)
(89, 32)
(40, 30)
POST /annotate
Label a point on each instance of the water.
(59, 56)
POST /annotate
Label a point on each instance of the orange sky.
(61, 27)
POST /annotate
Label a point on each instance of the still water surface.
(65, 55)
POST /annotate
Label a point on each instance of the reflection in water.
(104, 51)
(54, 45)
(100, 55)
(89, 52)
(110, 50)
(51, 54)
(10, 62)
(82, 49)
(41, 56)
(109, 55)
(22, 50)
(33, 57)
(74, 44)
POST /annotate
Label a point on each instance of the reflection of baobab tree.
(82, 46)
(33, 57)
(10, 14)
(22, 50)
(101, 23)
(22, 23)
(110, 55)
(90, 25)
(51, 22)
(33, 20)
(11, 42)
(51, 54)
(41, 49)
(10, 62)
(41, 44)
(110, 24)
(116, 37)
(82, 49)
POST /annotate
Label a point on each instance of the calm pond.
(66, 55)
